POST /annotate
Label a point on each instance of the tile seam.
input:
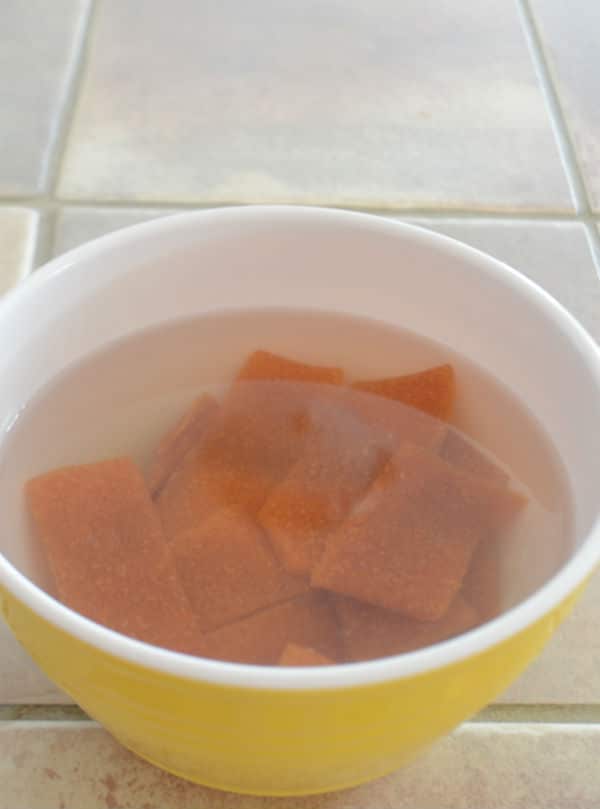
(562, 133)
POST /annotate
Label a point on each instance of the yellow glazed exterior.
(273, 741)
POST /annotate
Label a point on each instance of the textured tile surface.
(380, 103)
(74, 226)
(568, 670)
(554, 255)
(570, 33)
(18, 228)
(483, 766)
(38, 41)
(424, 104)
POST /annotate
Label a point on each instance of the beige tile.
(74, 226)
(483, 766)
(21, 682)
(384, 103)
(18, 231)
(568, 669)
(570, 32)
(554, 255)
(38, 45)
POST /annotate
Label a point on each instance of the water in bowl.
(121, 400)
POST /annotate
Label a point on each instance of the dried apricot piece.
(266, 365)
(408, 544)
(432, 390)
(228, 571)
(108, 553)
(307, 620)
(294, 655)
(395, 423)
(258, 434)
(187, 433)
(370, 632)
(340, 459)
(459, 451)
(265, 423)
(214, 477)
(482, 585)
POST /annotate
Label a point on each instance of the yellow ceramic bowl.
(291, 731)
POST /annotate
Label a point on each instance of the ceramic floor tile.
(570, 33)
(39, 41)
(385, 103)
(568, 669)
(18, 230)
(554, 255)
(485, 766)
(74, 226)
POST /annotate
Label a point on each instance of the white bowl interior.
(122, 402)
(311, 260)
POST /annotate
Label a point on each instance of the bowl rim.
(219, 673)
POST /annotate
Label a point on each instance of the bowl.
(266, 730)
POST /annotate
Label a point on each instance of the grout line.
(564, 140)
(64, 117)
(31, 257)
(592, 232)
(42, 249)
(558, 714)
(555, 111)
(45, 203)
(380, 209)
(578, 714)
(51, 215)
(44, 713)
(479, 215)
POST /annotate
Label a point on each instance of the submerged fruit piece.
(179, 440)
(107, 551)
(369, 632)
(294, 655)
(265, 365)
(209, 480)
(393, 423)
(257, 436)
(340, 459)
(431, 391)
(408, 544)
(460, 452)
(482, 586)
(228, 571)
(307, 620)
